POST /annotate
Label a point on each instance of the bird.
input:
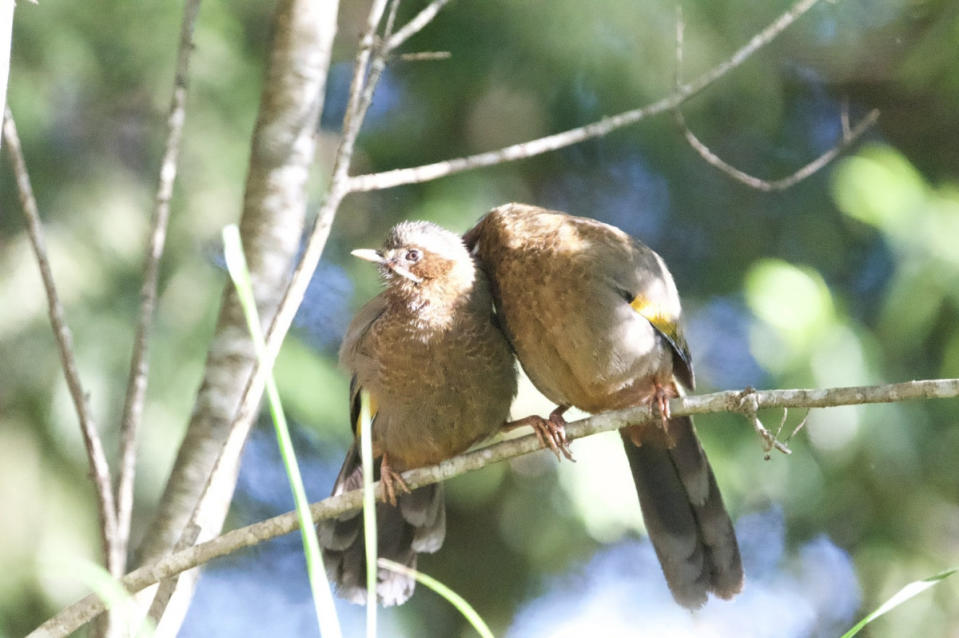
(440, 376)
(595, 320)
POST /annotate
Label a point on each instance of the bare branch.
(849, 136)
(168, 586)
(424, 56)
(427, 172)
(790, 180)
(75, 616)
(749, 405)
(6, 39)
(414, 26)
(99, 469)
(139, 363)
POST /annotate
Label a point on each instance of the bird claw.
(390, 480)
(550, 432)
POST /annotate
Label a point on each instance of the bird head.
(420, 258)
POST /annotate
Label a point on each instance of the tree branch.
(739, 401)
(848, 139)
(99, 469)
(201, 484)
(415, 25)
(427, 172)
(139, 363)
(6, 40)
(849, 136)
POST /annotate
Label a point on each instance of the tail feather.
(684, 513)
(416, 525)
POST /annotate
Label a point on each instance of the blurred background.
(849, 278)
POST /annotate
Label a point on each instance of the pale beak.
(369, 254)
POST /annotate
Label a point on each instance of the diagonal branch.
(139, 363)
(99, 469)
(75, 616)
(427, 172)
(6, 37)
(849, 136)
(415, 25)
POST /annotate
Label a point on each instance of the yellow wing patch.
(656, 315)
(667, 324)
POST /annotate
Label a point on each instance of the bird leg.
(550, 432)
(391, 479)
(661, 401)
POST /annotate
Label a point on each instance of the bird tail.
(417, 524)
(687, 522)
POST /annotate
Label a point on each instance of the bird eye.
(413, 255)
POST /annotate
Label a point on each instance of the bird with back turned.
(595, 319)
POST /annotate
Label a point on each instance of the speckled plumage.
(595, 319)
(442, 377)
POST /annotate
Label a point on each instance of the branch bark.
(6, 40)
(99, 469)
(271, 225)
(740, 401)
(140, 363)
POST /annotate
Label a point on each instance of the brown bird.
(440, 376)
(594, 318)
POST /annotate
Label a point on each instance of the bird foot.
(391, 480)
(551, 432)
(661, 402)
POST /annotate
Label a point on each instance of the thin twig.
(424, 56)
(749, 405)
(849, 136)
(427, 172)
(99, 469)
(139, 363)
(76, 615)
(799, 427)
(6, 35)
(790, 180)
(414, 26)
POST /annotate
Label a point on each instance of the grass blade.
(912, 589)
(108, 589)
(326, 617)
(369, 511)
(451, 596)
